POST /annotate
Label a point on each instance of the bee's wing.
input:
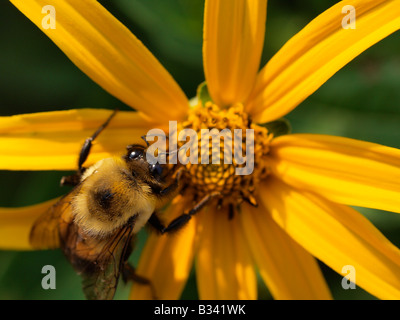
(45, 231)
(99, 261)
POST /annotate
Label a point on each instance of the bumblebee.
(96, 222)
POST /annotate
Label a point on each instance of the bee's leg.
(156, 223)
(129, 273)
(231, 211)
(180, 221)
(174, 186)
(83, 155)
(71, 180)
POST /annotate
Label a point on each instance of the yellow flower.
(304, 183)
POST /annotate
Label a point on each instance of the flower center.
(224, 153)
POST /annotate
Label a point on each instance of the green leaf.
(278, 127)
(203, 94)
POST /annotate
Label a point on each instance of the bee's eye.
(135, 154)
(156, 169)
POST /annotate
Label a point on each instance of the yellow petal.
(167, 260)
(16, 223)
(316, 53)
(337, 235)
(106, 51)
(224, 268)
(289, 271)
(53, 140)
(344, 170)
(233, 42)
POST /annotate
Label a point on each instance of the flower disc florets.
(228, 153)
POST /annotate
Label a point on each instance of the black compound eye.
(135, 154)
(156, 169)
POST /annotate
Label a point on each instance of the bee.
(95, 223)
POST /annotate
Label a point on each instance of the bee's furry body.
(94, 224)
(107, 198)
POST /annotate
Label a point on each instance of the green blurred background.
(361, 101)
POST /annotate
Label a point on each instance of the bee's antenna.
(169, 152)
(145, 140)
(144, 137)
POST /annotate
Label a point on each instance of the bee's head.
(138, 157)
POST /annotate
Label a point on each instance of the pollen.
(226, 154)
